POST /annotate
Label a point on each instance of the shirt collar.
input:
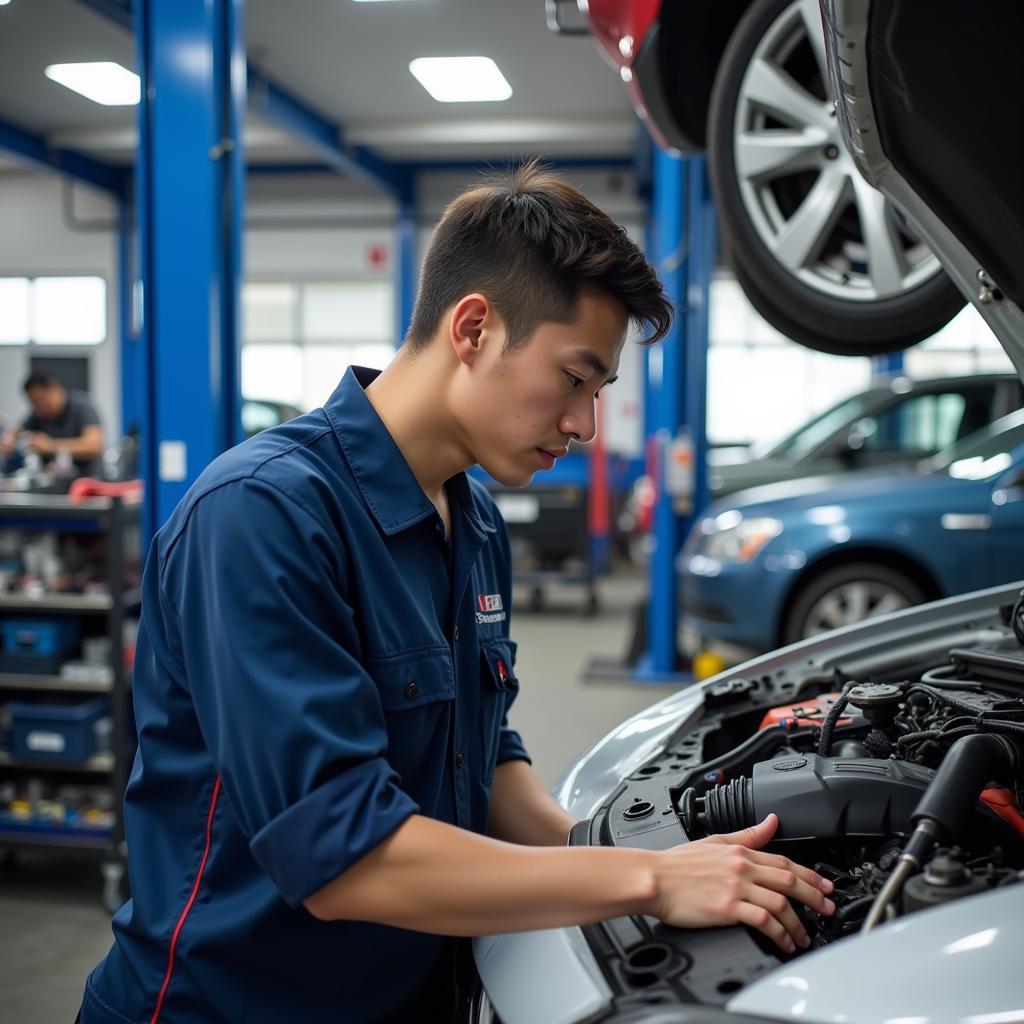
(390, 489)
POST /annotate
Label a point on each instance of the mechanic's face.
(527, 405)
(47, 402)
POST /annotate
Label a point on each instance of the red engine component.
(808, 712)
(1004, 803)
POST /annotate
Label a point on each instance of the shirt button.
(455, 635)
(460, 759)
(412, 691)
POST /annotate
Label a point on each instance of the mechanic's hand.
(725, 879)
(7, 443)
(41, 444)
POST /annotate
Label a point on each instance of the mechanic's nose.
(580, 423)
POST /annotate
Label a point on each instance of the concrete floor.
(53, 929)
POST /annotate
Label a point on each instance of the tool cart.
(69, 579)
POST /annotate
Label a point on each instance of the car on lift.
(891, 749)
(822, 255)
(777, 564)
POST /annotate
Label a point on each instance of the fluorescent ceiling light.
(102, 82)
(461, 79)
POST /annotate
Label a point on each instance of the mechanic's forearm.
(86, 447)
(433, 877)
(522, 810)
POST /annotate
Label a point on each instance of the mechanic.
(327, 796)
(61, 422)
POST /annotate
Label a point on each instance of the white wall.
(34, 241)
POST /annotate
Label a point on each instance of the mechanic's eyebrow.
(595, 362)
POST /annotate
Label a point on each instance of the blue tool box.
(54, 732)
(38, 646)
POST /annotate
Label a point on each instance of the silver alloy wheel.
(802, 192)
(850, 603)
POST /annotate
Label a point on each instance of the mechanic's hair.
(533, 244)
(39, 380)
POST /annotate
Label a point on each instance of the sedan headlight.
(731, 538)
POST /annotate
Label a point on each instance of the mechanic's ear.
(470, 319)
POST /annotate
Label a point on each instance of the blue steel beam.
(118, 11)
(275, 102)
(34, 149)
(279, 104)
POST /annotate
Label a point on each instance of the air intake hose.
(970, 764)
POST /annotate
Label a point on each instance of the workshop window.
(270, 311)
(358, 311)
(965, 345)
(14, 306)
(53, 310)
(299, 337)
(762, 385)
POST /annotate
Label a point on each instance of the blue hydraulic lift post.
(702, 248)
(684, 247)
(664, 416)
(890, 365)
(132, 378)
(189, 193)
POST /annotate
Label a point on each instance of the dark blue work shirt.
(315, 664)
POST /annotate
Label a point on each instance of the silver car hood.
(551, 977)
(957, 964)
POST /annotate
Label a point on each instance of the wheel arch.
(877, 554)
(692, 37)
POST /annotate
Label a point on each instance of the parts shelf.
(116, 521)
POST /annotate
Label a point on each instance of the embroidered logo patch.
(489, 608)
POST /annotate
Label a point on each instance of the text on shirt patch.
(489, 608)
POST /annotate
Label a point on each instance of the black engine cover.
(825, 797)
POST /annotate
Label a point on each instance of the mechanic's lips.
(548, 457)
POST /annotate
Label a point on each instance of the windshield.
(810, 435)
(984, 453)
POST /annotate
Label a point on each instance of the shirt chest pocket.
(499, 687)
(416, 691)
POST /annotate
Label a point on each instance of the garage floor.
(53, 929)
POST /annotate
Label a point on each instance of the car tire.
(792, 206)
(853, 592)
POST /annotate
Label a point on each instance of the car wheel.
(829, 260)
(847, 595)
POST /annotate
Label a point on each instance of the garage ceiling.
(348, 61)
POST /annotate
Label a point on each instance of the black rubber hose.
(944, 698)
(969, 765)
(834, 714)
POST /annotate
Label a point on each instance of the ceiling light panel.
(101, 81)
(461, 79)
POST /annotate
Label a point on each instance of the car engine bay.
(902, 786)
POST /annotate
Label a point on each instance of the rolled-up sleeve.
(511, 747)
(271, 652)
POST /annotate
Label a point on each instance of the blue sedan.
(773, 565)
